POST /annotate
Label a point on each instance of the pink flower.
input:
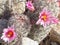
(45, 18)
(30, 6)
(8, 34)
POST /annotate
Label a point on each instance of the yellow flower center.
(44, 17)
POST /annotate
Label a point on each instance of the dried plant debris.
(21, 24)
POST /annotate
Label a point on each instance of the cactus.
(21, 24)
(24, 20)
(38, 33)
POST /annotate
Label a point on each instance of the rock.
(55, 33)
(21, 23)
(28, 41)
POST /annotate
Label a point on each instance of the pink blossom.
(8, 34)
(46, 18)
(30, 6)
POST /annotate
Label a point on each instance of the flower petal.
(5, 30)
(38, 22)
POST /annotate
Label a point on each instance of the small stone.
(28, 41)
